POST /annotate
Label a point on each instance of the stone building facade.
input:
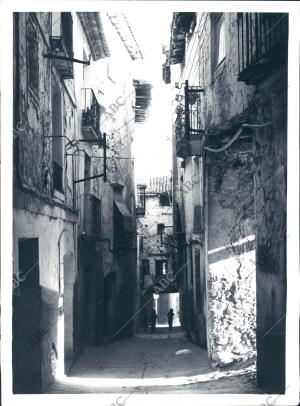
(155, 244)
(74, 195)
(229, 176)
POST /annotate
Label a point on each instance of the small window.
(57, 140)
(141, 244)
(160, 228)
(218, 47)
(67, 32)
(161, 267)
(145, 267)
(57, 177)
(96, 215)
(165, 199)
(87, 173)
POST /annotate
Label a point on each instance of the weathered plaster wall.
(270, 205)
(155, 214)
(38, 213)
(147, 227)
(51, 216)
(34, 112)
(110, 88)
(225, 100)
(152, 248)
(51, 265)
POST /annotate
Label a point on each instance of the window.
(145, 267)
(29, 262)
(141, 200)
(165, 199)
(161, 267)
(197, 198)
(160, 228)
(217, 39)
(87, 173)
(142, 244)
(62, 43)
(57, 140)
(33, 57)
(67, 32)
(96, 215)
(190, 270)
(198, 279)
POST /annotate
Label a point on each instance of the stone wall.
(147, 227)
(270, 205)
(231, 256)
(245, 208)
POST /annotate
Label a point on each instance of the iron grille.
(62, 45)
(91, 111)
(192, 110)
(188, 129)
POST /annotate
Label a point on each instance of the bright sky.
(152, 142)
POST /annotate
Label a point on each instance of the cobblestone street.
(151, 364)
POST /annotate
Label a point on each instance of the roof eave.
(93, 29)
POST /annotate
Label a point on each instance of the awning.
(127, 217)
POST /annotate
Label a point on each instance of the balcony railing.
(62, 44)
(262, 44)
(141, 202)
(90, 115)
(189, 134)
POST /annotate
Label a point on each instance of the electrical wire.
(236, 136)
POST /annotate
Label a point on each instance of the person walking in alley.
(170, 316)
(153, 318)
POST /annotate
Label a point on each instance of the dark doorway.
(27, 329)
(109, 304)
(90, 301)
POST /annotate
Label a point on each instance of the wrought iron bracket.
(66, 58)
(103, 144)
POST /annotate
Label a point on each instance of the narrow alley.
(172, 364)
(149, 230)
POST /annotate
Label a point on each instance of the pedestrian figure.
(170, 316)
(153, 318)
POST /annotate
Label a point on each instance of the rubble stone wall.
(231, 258)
